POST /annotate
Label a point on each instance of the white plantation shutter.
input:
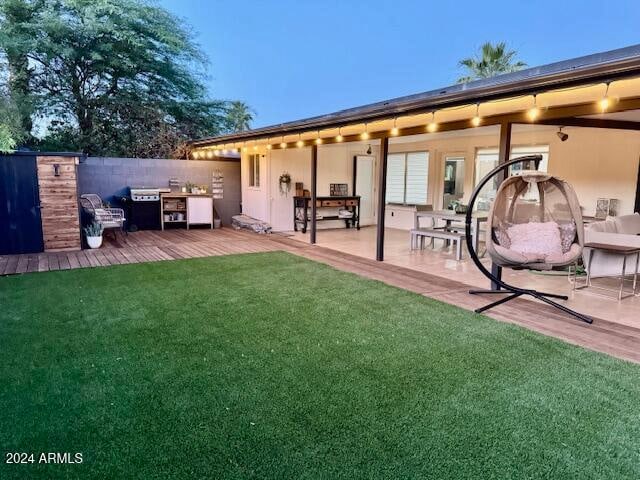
(395, 178)
(417, 172)
(407, 178)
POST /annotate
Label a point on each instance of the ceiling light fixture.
(605, 102)
(365, 134)
(534, 111)
(476, 121)
(394, 130)
(339, 138)
(561, 135)
(433, 126)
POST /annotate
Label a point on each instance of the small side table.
(624, 252)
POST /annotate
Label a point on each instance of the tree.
(108, 75)
(11, 132)
(239, 116)
(493, 60)
(17, 37)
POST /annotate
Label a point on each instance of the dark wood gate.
(20, 222)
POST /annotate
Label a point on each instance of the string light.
(604, 102)
(255, 145)
(209, 154)
(299, 143)
(216, 152)
(244, 148)
(394, 130)
(194, 155)
(433, 126)
(318, 139)
(476, 121)
(269, 146)
(365, 134)
(339, 138)
(283, 143)
(534, 111)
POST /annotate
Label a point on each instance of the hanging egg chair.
(534, 223)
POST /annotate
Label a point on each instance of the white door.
(366, 188)
(297, 163)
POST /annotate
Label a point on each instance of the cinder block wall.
(111, 178)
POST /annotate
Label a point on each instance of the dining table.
(450, 217)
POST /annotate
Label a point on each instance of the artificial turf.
(273, 366)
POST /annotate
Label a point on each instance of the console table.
(301, 212)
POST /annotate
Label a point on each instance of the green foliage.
(118, 77)
(11, 132)
(239, 116)
(493, 60)
(94, 229)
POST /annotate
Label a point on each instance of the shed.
(39, 202)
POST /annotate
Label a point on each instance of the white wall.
(597, 162)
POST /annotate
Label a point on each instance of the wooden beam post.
(314, 192)
(382, 194)
(637, 209)
(504, 153)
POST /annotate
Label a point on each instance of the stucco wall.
(110, 178)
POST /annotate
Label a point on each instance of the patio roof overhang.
(571, 88)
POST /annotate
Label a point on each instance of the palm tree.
(492, 61)
(239, 116)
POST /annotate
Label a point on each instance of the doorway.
(20, 219)
(453, 188)
(364, 168)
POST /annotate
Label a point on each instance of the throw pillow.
(567, 234)
(537, 238)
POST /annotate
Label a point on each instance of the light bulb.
(255, 148)
(244, 149)
(269, 146)
(533, 113)
(318, 141)
(604, 103)
(475, 121)
(216, 152)
(394, 131)
(283, 145)
(339, 138)
(195, 154)
(365, 136)
(209, 154)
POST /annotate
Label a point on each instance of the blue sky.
(294, 59)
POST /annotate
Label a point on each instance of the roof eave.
(482, 90)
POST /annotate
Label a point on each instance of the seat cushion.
(629, 224)
(537, 239)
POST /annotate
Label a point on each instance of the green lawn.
(272, 366)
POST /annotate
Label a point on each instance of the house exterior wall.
(335, 165)
(596, 162)
(110, 178)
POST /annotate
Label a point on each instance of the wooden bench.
(422, 233)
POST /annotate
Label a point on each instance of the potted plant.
(93, 232)
(285, 183)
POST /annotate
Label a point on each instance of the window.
(254, 170)
(487, 159)
(407, 178)
(531, 150)
(453, 179)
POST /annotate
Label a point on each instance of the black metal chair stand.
(502, 288)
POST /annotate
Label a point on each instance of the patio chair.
(535, 223)
(109, 218)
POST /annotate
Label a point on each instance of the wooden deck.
(149, 246)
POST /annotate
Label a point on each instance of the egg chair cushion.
(539, 239)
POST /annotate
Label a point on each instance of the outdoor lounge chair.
(535, 223)
(109, 218)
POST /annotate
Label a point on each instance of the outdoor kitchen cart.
(302, 212)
